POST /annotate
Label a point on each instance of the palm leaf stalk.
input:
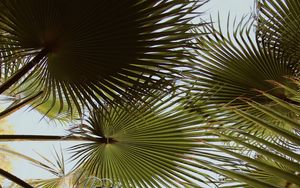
(21, 156)
(98, 50)
(30, 138)
(14, 179)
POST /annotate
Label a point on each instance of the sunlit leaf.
(151, 144)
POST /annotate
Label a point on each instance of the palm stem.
(24, 70)
(14, 179)
(16, 138)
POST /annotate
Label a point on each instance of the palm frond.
(278, 25)
(92, 53)
(57, 168)
(151, 144)
(231, 68)
(275, 162)
(234, 66)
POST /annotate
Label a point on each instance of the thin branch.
(14, 178)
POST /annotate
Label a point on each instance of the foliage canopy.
(163, 101)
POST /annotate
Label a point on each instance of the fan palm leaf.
(92, 53)
(233, 66)
(151, 144)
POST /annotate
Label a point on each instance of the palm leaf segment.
(97, 50)
(232, 66)
(278, 25)
(147, 145)
(51, 110)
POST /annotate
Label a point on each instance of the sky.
(29, 122)
(236, 7)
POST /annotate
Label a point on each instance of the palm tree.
(235, 115)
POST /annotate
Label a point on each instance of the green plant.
(169, 103)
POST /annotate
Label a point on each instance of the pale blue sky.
(29, 122)
(236, 7)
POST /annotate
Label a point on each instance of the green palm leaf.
(92, 53)
(275, 162)
(228, 67)
(278, 25)
(231, 69)
(151, 144)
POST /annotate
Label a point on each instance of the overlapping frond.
(231, 66)
(278, 25)
(275, 162)
(92, 53)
